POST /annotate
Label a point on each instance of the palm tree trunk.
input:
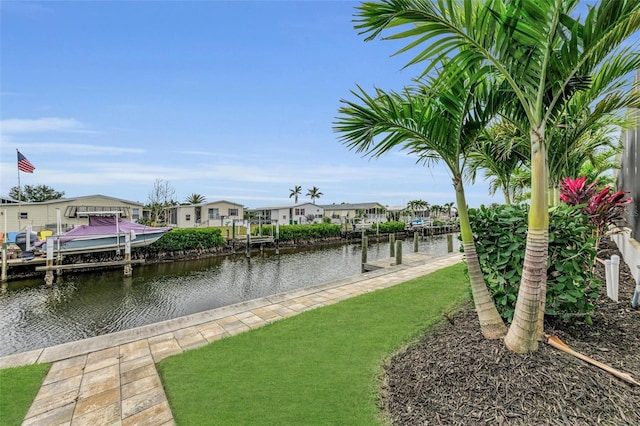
(507, 197)
(525, 329)
(491, 324)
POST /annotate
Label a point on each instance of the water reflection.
(33, 315)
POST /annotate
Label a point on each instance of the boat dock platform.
(409, 259)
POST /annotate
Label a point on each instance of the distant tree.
(314, 193)
(35, 193)
(297, 190)
(418, 206)
(436, 209)
(447, 207)
(160, 198)
(195, 199)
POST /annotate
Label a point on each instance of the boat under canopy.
(103, 233)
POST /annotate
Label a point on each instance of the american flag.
(24, 165)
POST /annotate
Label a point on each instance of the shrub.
(186, 239)
(303, 232)
(500, 236)
(391, 227)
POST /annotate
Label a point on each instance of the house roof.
(288, 206)
(206, 203)
(355, 206)
(71, 199)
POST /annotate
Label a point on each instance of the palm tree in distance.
(314, 193)
(195, 199)
(297, 190)
(447, 207)
(436, 209)
(418, 206)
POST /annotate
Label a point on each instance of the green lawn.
(320, 367)
(18, 388)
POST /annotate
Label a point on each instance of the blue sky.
(231, 100)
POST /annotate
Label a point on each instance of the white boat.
(103, 233)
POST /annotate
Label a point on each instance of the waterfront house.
(364, 213)
(291, 214)
(206, 214)
(75, 211)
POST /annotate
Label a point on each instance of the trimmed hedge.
(303, 232)
(186, 239)
(392, 227)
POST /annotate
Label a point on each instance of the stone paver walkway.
(112, 379)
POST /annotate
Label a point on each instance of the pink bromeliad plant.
(603, 207)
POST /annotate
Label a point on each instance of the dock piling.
(392, 245)
(415, 242)
(48, 275)
(449, 243)
(3, 277)
(128, 268)
(398, 252)
(364, 251)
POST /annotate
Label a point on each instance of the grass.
(18, 388)
(320, 367)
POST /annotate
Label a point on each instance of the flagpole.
(19, 197)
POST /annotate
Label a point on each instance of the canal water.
(77, 306)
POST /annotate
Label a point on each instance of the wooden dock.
(89, 265)
(408, 259)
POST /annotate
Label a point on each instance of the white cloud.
(80, 149)
(47, 124)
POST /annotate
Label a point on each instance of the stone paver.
(119, 383)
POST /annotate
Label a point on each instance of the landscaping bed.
(455, 377)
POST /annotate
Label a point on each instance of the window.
(187, 217)
(299, 212)
(84, 211)
(233, 212)
(24, 215)
(214, 214)
(135, 213)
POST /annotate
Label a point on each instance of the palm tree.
(195, 199)
(434, 125)
(436, 209)
(314, 193)
(418, 205)
(498, 153)
(545, 56)
(297, 190)
(447, 207)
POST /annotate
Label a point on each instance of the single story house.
(355, 213)
(206, 214)
(297, 214)
(73, 211)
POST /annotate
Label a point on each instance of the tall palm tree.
(195, 199)
(545, 56)
(297, 190)
(314, 193)
(434, 125)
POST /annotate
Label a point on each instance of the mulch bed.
(455, 377)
